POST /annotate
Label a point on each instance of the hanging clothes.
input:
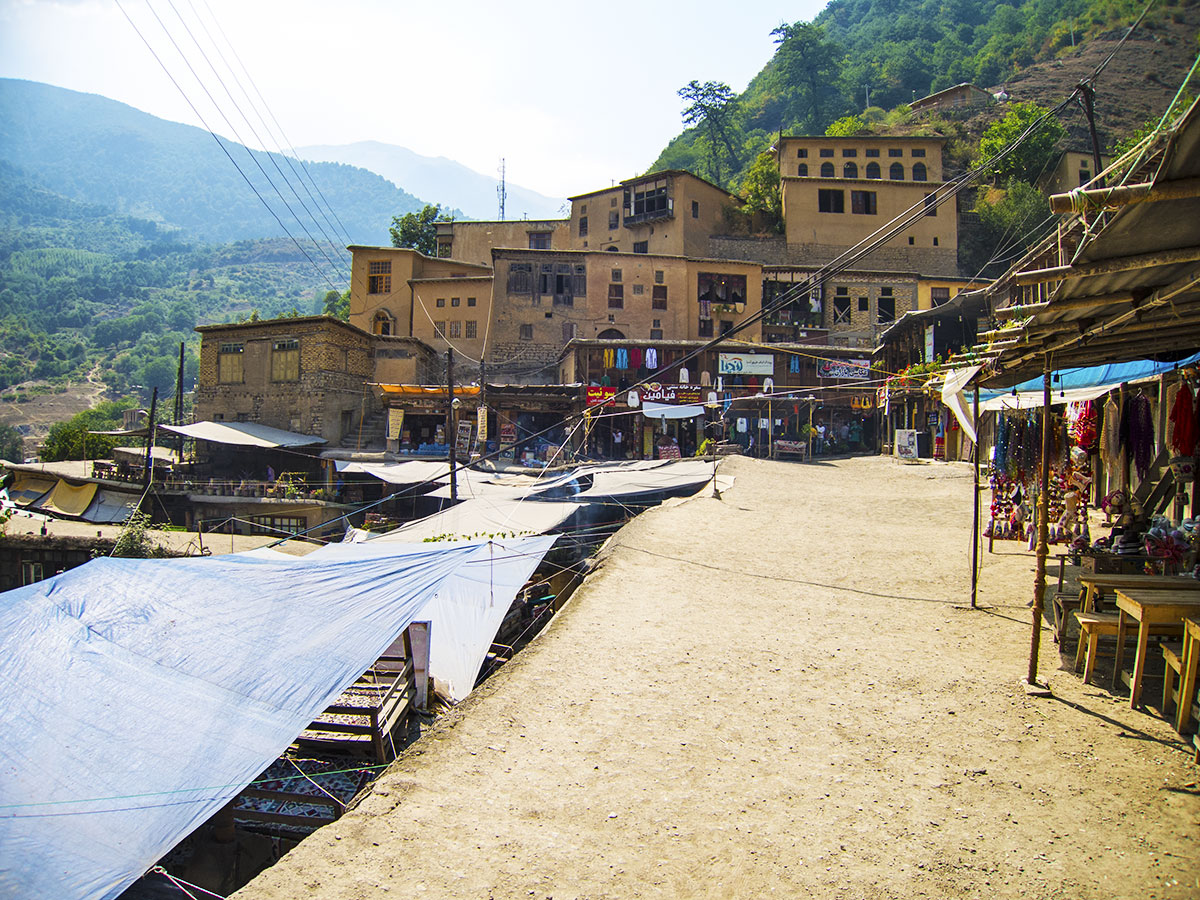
(635, 358)
(684, 375)
(609, 359)
(622, 358)
(651, 358)
(1140, 433)
(1185, 431)
(794, 365)
(705, 378)
(1110, 434)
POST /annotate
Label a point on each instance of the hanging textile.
(651, 358)
(608, 359)
(684, 375)
(1139, 433)
(1110, 433)
(794, 365)
(705, 378)
(622, 358)
(1184, 429)
(635, 358)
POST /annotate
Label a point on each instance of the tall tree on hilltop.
(807, 70)
(418, 231)
(712, 109)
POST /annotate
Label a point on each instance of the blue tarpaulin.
(140, 696)
(1097, 376)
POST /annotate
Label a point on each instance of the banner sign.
(745, 364)
(850, 368)
(670, 393)
(463, 443)
(482, 417)
(601, 396)
(906, 443)
(395, 424)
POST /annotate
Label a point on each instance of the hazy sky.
(571, 95)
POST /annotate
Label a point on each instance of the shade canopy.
(243, 434)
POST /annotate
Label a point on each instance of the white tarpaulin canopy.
(481, 518)
(952, 396)
(412, 471)
(244, 434)
(1034, 399)
(144, 694)
(672, 411)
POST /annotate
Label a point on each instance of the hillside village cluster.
(537, 321)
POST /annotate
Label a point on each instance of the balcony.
(653, 215)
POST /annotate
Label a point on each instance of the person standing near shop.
(821, 437)
(618, 444)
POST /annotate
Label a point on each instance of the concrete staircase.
(373, 435)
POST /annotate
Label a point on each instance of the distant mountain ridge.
(449, 182)
(95, 150)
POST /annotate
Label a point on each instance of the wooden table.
(1092, 586)
(1190, 662)
(1149, 608)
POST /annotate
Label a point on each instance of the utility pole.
(451, 424)
(502, 189)
(179, 403)
(149, 467)
(1087, 93)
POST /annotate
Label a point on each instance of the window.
(862, 203)
(802, 170)
(229, 364)
(886, 310)
(863, 304)
(656, 334)
(802, 153)
(563, 282)
(935, 242)
(656, 323)
(939, 295)
(830, 201)
(381, 324)
(612, 202)
(896, 172)
(583, 226)
(616, 296)
(931, 204)
(277, 525)
(658, 276)
(911, 241)
(439, 302)
(872, 151)
(456, 329)
(717, 291)
(705, 329)
(439, 329)
(658, 300)
(827, 170)
(695, 209)
(471, 330)
(826, 152)
(850, 170)
(614, 220)
(285, 360)
(849, 154)
(919, 172)
(379, 277)
(638, 289)
(641, 246)
(568, 331)
(895, 151)
(470, 301)
(616, 274)
(726, 326)
(456, 301)
(873, 170)
(539, 240)
(841, 307)
(918, 152)
(520, 278)
(1084, 177)
(527, 332)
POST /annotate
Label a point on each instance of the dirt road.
(776, 693)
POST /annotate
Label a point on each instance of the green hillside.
(882, 54)
(95, 150)
(86, 291)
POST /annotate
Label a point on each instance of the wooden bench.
(1173, 661)
(1091, 626)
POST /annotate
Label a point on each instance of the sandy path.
(775, 693)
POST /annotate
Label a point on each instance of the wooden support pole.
(1043, 529)
(1127, 195)
(1109, 266)
(975, 515)
(451, 425)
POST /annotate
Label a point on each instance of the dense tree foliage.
(859, 54)
(11, 444)
(418, 230)
(71, 440)
(1030, 158)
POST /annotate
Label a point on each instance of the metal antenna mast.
(502, 189)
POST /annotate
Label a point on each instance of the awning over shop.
(244, 434)
(418, 390)
(153, 691)
(414, 471)
(483, 518)
(69, 499)
(27, 490)
(672, 411)
(1034, 399)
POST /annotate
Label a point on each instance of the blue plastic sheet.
(140, 696)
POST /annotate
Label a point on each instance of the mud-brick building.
(306, 375)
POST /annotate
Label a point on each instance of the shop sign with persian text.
(850, 368)
(745, 364)
(670, 393)
(597, 396)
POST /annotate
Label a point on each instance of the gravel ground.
(780, 693)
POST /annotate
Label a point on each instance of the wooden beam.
(1126, 195)
(1109, 266)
